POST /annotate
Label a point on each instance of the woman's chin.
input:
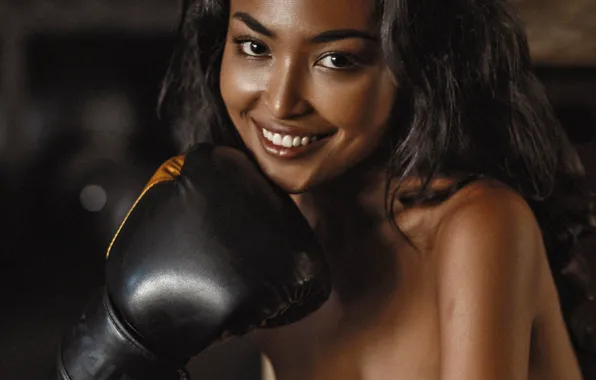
(290, 182)
(291, 186)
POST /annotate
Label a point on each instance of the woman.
(422, 150)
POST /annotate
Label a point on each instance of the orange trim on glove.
(168, 171)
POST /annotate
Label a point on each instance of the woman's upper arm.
(488, 279)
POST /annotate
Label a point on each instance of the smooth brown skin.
(471, 299)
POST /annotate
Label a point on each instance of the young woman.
(416, 140)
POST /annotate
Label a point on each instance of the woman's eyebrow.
(253, 24)
(328, 36)
(341, 34)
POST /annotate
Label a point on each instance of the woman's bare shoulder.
(491, 272)
(483, 203)
(488, 231)
(487, 211)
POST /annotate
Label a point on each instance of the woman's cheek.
(240, 84)
(354, 105)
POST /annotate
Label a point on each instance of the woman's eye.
(253, 48)
(337, 61)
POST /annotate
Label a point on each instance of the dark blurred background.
(79, 137)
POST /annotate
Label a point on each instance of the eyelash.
(353, 61)
(239, 41)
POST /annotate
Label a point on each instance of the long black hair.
(468, 102)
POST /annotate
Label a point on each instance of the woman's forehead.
(308, 14)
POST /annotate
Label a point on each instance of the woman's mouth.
(289, 143)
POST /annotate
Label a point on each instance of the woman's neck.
(363, 192)
(357, 193)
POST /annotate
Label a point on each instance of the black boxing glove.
(210, 249)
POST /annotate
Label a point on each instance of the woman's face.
(305, 85)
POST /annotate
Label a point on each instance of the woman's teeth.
(288, 141)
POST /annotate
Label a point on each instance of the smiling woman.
(320, 84)
(419, 147)
(351, 105)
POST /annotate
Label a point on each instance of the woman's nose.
(285, 92)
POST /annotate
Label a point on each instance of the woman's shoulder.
(485, 204)
(482, 217)
(488, 231)
(463, 206)
(477, 195)
(485, 208)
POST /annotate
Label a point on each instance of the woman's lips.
(289, 143)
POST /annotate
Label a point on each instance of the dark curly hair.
(468, 102)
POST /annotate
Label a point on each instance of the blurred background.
(79, 138)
